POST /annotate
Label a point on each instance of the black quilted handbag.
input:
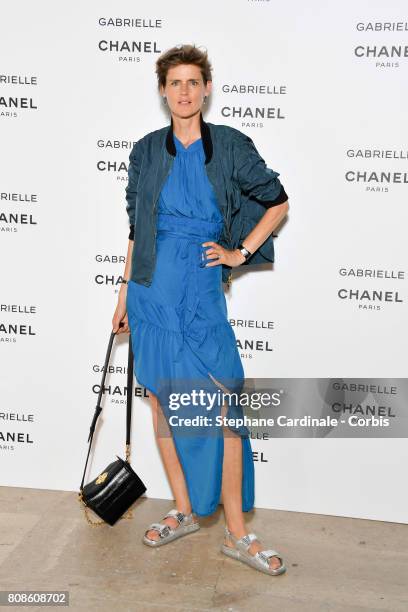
(117, 487)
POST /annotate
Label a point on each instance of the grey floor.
(336, 564)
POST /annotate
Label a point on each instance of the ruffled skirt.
(182, 341)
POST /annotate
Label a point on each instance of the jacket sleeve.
(135, 163)
(253, 176)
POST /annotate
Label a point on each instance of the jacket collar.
(205, 135)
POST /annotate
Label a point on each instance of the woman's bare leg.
(232, 493)
(172, 466)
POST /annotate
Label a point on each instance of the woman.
(186, 221)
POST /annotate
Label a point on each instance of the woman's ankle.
(185, 509)
(238, 532)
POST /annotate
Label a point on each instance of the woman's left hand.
(215, 251)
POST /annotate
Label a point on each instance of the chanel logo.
(101, 478)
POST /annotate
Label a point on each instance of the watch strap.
(247, 254)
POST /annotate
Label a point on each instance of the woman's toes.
(152, 535)
(274, 562)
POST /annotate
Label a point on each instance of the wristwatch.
(244, 251)
(124, 281)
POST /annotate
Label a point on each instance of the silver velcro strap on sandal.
(179, 516)
(247, 540)
(265, 555)
(163, 529)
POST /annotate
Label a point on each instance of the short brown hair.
(183, 54)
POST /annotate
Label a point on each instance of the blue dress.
(181, 333)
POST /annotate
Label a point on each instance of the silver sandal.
(259, 561)
(167, 533)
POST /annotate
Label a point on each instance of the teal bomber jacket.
(243, 184)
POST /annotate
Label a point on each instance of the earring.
(205, 100)
(164, 99)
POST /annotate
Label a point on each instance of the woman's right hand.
(120, 316)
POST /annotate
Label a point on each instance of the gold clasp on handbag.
(101, 478)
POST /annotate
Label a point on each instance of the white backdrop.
(71, 108)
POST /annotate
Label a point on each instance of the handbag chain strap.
(98, 410)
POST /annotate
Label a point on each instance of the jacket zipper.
(156, 214)
(229, 279)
